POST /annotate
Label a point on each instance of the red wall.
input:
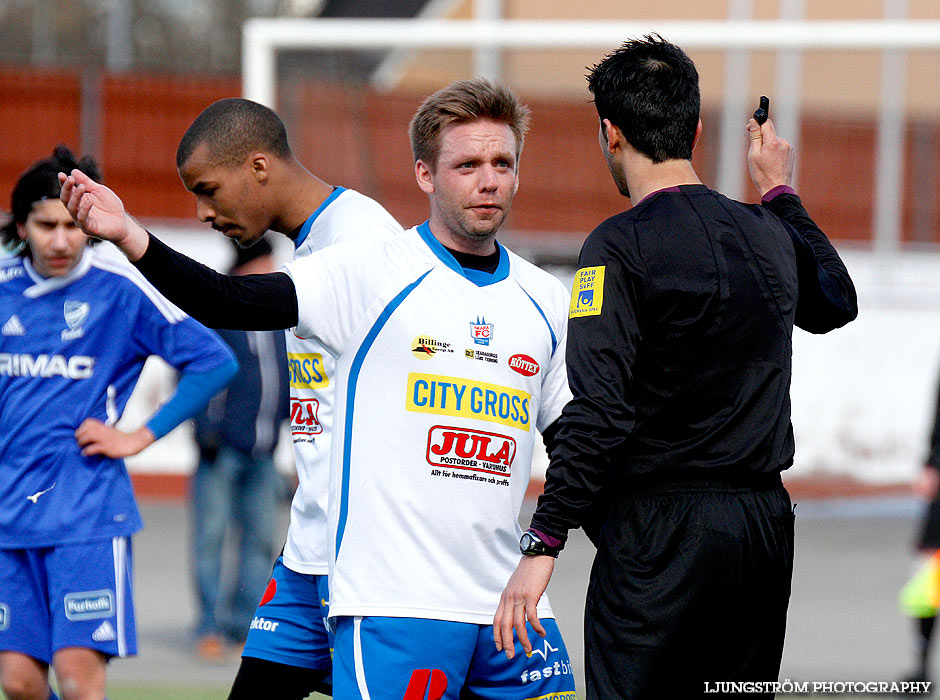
(358, 138)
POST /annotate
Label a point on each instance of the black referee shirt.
(679, 346)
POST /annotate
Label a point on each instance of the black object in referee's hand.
(762, 112)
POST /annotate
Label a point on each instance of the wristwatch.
(531, 545)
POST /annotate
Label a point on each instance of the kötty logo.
(524, 365)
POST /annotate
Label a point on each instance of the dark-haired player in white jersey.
(236, 159)
(449, 354)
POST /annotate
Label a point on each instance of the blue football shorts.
(67, 596)
(389, 658)
(289, 626)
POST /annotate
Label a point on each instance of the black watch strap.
(531, 545)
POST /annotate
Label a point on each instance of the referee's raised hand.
(99, 212)
(769, 157)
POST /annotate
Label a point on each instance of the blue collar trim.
(477, 277)
(308, 224)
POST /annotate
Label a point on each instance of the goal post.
(263, 38)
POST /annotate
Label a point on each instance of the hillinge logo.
(88, 605)
(4, 616)
(424, 347)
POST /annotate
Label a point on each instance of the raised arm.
(100, 213)
(827, 297)
(249, 302)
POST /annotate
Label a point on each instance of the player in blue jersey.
(76, 326)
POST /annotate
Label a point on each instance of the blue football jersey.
(71, 348)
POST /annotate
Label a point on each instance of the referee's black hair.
(232, 128)
(648, 88)
(41, 181)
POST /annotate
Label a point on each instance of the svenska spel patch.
(587, 292)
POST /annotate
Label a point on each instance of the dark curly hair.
(648, 88)
(41, 181)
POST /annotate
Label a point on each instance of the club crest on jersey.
(4, 616)
(476, 450)
(89, 605)
(303, 417)
(524, 365)
(76, 313)
(587, 292)
(481, 332)
(424, 347)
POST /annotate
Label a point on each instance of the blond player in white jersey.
(236, 160)
(450, 353)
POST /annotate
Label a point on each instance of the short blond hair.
(460, 103)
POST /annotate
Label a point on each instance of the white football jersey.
(346, 215)
(442, 375)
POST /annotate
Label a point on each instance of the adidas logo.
(13, 327)
(104, 633)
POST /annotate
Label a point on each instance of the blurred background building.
(123, 79)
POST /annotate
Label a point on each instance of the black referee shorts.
(690, 585)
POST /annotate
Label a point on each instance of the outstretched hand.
(769, 157)
(97, 438)
(99, 212)
(519, 603)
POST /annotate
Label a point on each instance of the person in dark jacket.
(920, 596)
(679, 359)
(235, 487)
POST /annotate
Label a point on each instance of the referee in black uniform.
(679, 360)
